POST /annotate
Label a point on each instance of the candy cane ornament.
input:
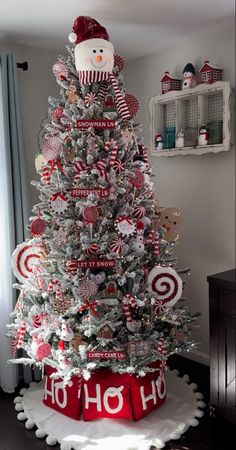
(21, 333)
(130, 300)
(156, 245)
(54, 285)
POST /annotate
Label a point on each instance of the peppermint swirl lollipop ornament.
(25, 257)
(137, 180)
(51, 148)
(87, 288)
(166, 284)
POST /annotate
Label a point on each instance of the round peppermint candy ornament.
(166, 284)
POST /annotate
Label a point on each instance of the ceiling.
(136, 27)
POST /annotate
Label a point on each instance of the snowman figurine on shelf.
(94, 62)
(179, 143)
(189, 80)
(203, 135)
(158, 141)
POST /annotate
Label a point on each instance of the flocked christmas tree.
(99, 282)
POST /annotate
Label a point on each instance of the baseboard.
(200, 357)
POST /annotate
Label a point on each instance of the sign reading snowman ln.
(97, 398)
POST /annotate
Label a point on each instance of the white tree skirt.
(172, 419)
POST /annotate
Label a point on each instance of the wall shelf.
(188, 109)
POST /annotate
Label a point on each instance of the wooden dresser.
(222, 297)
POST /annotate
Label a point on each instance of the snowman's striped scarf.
(90, 76)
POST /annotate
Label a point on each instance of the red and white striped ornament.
(138, 211)
(158, 307)
(132, 104)
(51, 148)
(143, 152)
(117, 245)
(43, 351)
(127, 312)
(161, 348)
(92, 249)
(36, 320)
(21, 333)
(118, 166)
(90, 99)
(110, 144)
(60, 70)
(119, 62)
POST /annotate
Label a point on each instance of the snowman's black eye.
(175, 223)
(101, 50)
(166, 217)
(94, 51)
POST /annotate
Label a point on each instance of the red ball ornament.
(139, 212)
(92, 249)
(117, 246)
(138, 180)
(90, 214)
(57, 113)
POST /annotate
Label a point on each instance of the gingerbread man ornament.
(170, 221)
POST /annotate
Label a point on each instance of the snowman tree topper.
(94, 57)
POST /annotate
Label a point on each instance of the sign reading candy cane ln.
(106, 394)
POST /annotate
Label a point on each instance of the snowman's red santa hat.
(87, 32)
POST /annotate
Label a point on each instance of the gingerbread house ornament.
(170, 83)
(105, 330)
(210, 73)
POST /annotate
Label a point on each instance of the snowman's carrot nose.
(98, 58)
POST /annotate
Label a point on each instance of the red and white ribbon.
(20, 335)
(79, 167)
(55, 164)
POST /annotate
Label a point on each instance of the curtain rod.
(23, 65)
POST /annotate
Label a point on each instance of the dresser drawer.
(227, 303)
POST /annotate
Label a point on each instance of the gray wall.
(202, 187)
(35, 87)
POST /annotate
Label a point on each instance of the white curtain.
(8, 372)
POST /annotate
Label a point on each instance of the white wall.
(202, 187)
(35, 86)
